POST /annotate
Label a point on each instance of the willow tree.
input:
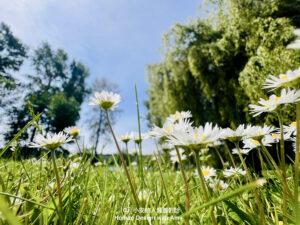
(215, 66)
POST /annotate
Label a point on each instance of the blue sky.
(116, 39)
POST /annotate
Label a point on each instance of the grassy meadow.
(99, 194)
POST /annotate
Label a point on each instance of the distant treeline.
(55, 86)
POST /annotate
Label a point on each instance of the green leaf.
(238, 214)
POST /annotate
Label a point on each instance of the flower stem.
(261, 160)
(230, 155)
(78, 147)
(282, 156)
(296, 179)
(140, 138)
(203, 185)
(128, 156)
(187, 195)
(123, 161)
(220, 157)
(162, 179)
(258, 201)
(129, 162)
(60, 208)
(272, 161)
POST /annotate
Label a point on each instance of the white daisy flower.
(241, 150)
(98, 164)
(251, 143)
(169, 127)
(207, 172)
(217, 184)
(204, 151)
(286, 97)
(143, 195)
(233, 172)
(195, 137)
(258, 132)
(289, 79)
(261, 182)
(136, 137)
(111, 198)
(74, 165)
(125, 138)
(296, 43)
(133, 151)
(290, 130)
(215, 144)
(166, 146)
(73, 131)
(174, 157)
(50, 142)
(14, 146)
(294, 143)
(234, 135)
(179, 115)
(277, 137)
(106, 100)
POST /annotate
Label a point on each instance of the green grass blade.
(20, 133)
(222, 198)
(238, 214)
(7, 214)
(27, 200)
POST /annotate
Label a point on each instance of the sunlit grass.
(99, 194)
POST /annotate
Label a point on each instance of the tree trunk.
(98, 132)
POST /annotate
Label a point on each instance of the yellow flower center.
(196, 136)
(167, 129)
(180, 114)
(294, 124)
(74, 132)
(106, 104)
(205, 172)
(175, 116)
(275, 135)
(241, 149)
(269, 100)
(52, 146)
(259, 132)
(284, 77)
(203, 137)
(276, 99)
(254, 141)
(220, 187)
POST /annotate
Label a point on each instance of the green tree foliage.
(64, 111)
(57, 89)
(12, 54)
(216, 66)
